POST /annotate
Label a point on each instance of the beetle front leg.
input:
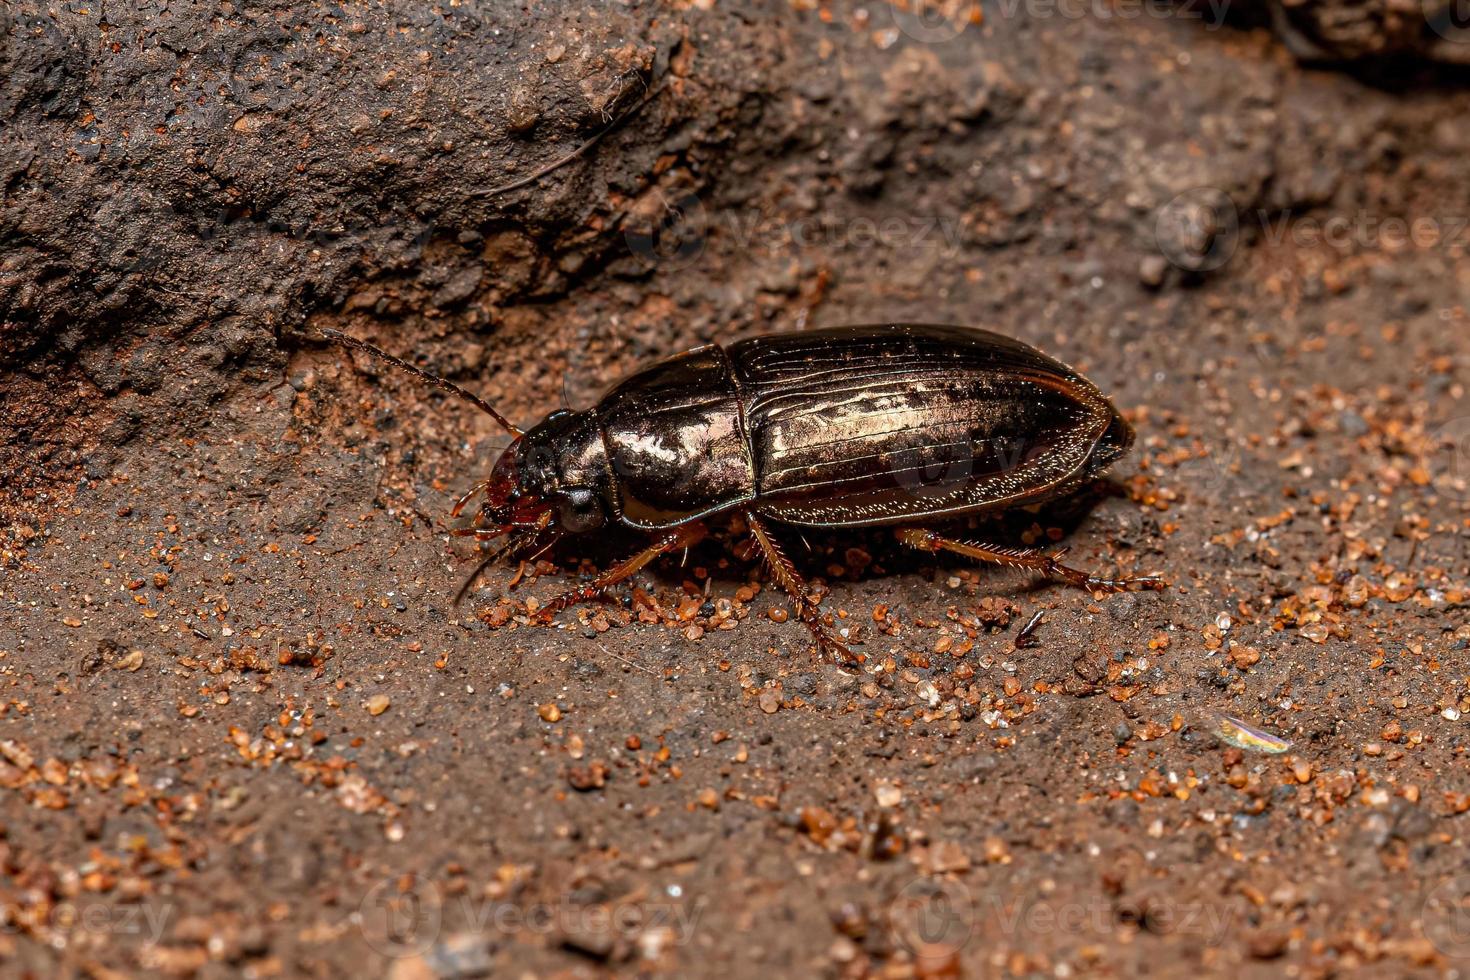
(1032, 558)
(785, 573)
(683, 536)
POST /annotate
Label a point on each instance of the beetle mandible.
(893, 424)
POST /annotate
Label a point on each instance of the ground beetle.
(894, 424)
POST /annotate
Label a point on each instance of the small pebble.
(1268, 944)
(843, 950)
(1152, 269)
(586, 778)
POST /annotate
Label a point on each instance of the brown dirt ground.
(246, 732)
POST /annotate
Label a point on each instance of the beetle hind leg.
(683, 536)
(1032, 558)
(785, 573)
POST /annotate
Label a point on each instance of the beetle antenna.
(337, 337)
(464, 589)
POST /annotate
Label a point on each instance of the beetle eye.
(578, 509)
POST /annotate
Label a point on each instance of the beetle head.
(553, 477)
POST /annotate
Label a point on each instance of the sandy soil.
(245, 731)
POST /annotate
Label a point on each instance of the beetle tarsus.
(831, 649)
(1035, 559)
(574, 597)
(1138, 583)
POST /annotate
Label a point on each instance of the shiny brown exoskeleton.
(896, 424)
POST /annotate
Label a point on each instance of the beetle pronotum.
(896, 424)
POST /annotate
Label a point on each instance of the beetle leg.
(683, 536)
(535, 527)
(786, 575)
(551, 543)
(480, 533)
(470, 580)
(459, 505)
(1032, 558)
(510, 548)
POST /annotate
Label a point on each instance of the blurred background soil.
(245, 731)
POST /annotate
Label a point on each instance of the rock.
(1152, 269)
(1268, 944)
